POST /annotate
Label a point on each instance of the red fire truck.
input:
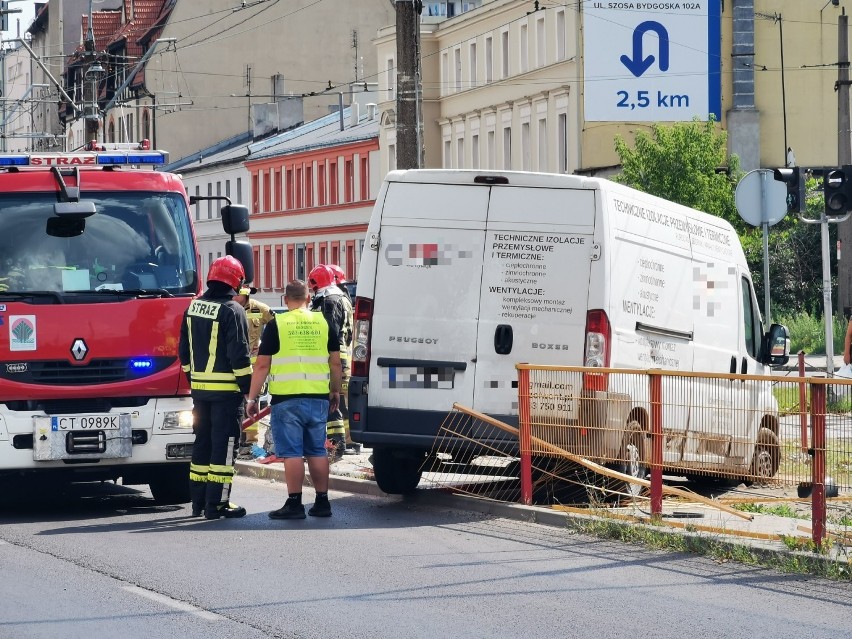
(97, 265)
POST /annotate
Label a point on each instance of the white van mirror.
(775, 349)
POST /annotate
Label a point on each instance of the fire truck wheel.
(170, 485)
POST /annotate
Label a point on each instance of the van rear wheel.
(632, 462)
(397, 471)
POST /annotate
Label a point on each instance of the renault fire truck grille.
(97, 371)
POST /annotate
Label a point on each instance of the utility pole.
(409, 136)
(844, 157)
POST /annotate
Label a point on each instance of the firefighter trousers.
(217, 434)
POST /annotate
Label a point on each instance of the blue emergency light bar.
(108, 158)
(141, 364)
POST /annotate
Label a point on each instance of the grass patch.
(814, 563)
(781, 510)
(807, 332)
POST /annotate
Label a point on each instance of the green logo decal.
(23, 332)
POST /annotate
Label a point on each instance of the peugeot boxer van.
(464, 274)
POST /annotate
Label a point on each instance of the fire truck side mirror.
(243, 252)
(235, 218)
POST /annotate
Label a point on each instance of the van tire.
(397, 472)
(170, 485)
(633, 462)
(767, 456)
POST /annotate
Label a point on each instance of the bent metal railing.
(757, 429)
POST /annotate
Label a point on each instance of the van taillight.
(598, 335)
(361, 337)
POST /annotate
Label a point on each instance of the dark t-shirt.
(271, 344)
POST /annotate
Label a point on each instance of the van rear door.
(538, 252)
(426, 301)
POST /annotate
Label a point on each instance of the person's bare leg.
(294, 474)
(318, 468)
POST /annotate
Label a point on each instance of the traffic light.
(795, 181)
(837, 188)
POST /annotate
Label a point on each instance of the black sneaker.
(321, 508)
(290, 510)
(226, 510)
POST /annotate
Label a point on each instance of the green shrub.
(807, 333)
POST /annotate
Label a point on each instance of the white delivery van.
(466, 273)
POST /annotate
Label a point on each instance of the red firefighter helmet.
(227, 270)
(339, 274)
(320, 277)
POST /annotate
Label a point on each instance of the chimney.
(372, 110)
(354, 114)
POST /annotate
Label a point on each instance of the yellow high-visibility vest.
(300, 367)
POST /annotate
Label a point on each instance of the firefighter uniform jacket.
(337, 309)
(214, 349)
(258, 315)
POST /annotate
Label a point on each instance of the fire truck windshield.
(134, 242)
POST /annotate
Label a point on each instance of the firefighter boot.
(216, 507)
(198, 494)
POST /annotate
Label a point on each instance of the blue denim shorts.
(298, 427)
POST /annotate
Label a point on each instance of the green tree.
(684, 162)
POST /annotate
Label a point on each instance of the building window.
(309, 185)
(350, 256)
(560, 35)
(323, 252)
(489, 60)
(291, 263)
(146, 125)
(290, 189)
(279, 267)
(391, 79)
(542, 145)
(297, 187)
(391, 157)
(321, 183)
(447, 155)
(267, 267)
(218, 194)
(504, 41)
(445, 73)
(473, 62)
(525, 49)
(474, 151)
(335, 252)
(300, 271)
(278, 205)
(525, 146)
(365, 179)
(227, 188)
(210, 202)
(256, 253)
(540, 43)
(254, 194)
(491, 150)
(457, 66)
(460, 153)
(197, 204)
(507, 148)
(239, 190)
(349, 180)
(563, 143)
(332, 183)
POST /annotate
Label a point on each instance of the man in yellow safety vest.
(301, 357)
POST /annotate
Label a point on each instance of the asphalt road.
(103, 561)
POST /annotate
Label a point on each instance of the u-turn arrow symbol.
(637, 65)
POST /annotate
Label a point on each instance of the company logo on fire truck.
(79, 349)
(20, 367)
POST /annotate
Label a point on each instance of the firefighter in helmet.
(214, 354)
(337, 310)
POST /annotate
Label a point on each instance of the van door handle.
(503, 339)
(733, 364)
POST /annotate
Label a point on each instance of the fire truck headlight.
(177, 419)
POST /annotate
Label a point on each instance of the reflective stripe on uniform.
(198, 472)
(220, 474)
(213, 377)
(213, 386)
